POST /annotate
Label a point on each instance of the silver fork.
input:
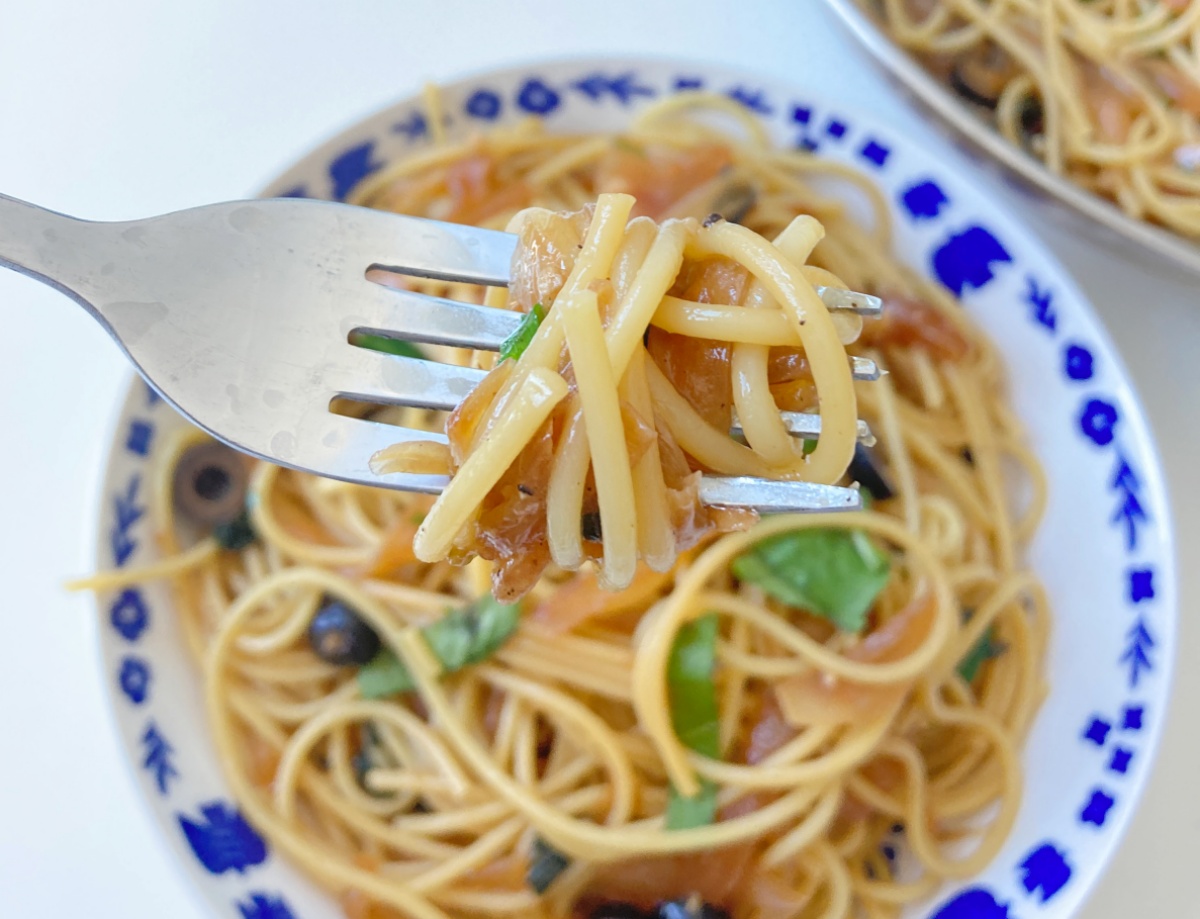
(241, 315)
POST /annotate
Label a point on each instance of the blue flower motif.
(485, 104)
(1079, 363)
(140, 435)
(1045, 871)
(1131, 718)
(973, 903)
(222, 839)
(129, 614)
(135, 679)
(537, 98)
(1097, 731)
(1097, 421)
(1141, 584)
(875, 153)
(351, 167)
(1120, 761)
(1096, 810)
(801, 114)
(924, 200)
(966, 259)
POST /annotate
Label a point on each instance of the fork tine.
(838, 299)
(770, 496)
(418, 317)
(450, 252)
(802, 424)
(341, 448)
(387, 379)
(862, 368)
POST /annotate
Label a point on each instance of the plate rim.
(1153, 470)
(1087, 208)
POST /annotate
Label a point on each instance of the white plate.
(1102, 219)
(1104, 552)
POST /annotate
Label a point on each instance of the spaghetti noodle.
(700, 735)
(1105, 92)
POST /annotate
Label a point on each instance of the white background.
(127, 108)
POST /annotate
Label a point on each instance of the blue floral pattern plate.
(1104, 551)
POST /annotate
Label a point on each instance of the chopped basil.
(545, 865)
(516, 343)
(236, 534)
(985, 649)
(397, 346)
(693, 699)
(459, 638)
(836, 574)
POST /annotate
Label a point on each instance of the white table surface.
(126, 108)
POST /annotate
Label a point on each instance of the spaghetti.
(1105, 92)
(701, 735)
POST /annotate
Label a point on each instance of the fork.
(241, 314)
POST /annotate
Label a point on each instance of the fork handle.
(52, 248)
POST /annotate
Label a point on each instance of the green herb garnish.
(458, 639)
(516, 343)
(693, 699)
(836, 574)
(236, 534)
(397, 346)
(545, 865)
(985, 649)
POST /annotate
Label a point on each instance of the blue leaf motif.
(1042, 302)
(1136, 658)
(753, 99)
(127, 512)
(624, 88)
(1129, 514)
(158, 757)
(264, 906)
(413, 127)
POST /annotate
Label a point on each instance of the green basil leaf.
(460, 638)
(836, 574)
(694, 715)
(516, 343)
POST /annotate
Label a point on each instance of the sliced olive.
(210, 484)
(617, 910)
(735, 201)
(589, 527)
(1032, 117)
(692, 908)
(980, 75)
(339, 636)
(866, 470)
